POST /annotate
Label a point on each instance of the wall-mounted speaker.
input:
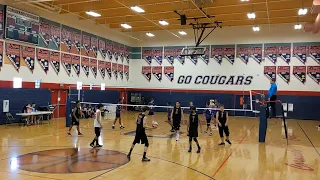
(183, 19)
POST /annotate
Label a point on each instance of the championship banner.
(93, 67)
(177, 54)
(122, 52)
(270, 72)
(284, 73)
(314, 53)
(147, 54)
(102, 68)
(146, 72)
(229, 53)
(115, 70)
(85, 65)
(66, 42)
(169, 54)
(284, 51)
(21, 26)
(243, 53)
(108, 69)
(169, 72)
(271, 52)
(314, 73)
(109, 47)
(157, 72)
(300, 73)
(157, 54)
(76, 41)
(256, 53)
(1, 54)
(300, 52)
(13, 53)
(126, 71)
(217, 53)
(86, 44)
(94, 46)
(66, 62)
(43, 58)
(28, 55)
(115, 48)
(49, 34)
(120, 70)
(55, 61)
(102, 47)
(127, 54)
(76, 63)
(205, 57)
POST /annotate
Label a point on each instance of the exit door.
(59, 99)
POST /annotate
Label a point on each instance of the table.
(40, 114)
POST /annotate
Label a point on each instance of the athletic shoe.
(210, 134)
(98, 145)
(189, 150)
(80, 134)
(172, 130)
(198, 150)
(113, 127)
(91, 144)
(205, 132)
(228, 141)
(221, 144)
(121, 127)
(69, 134)
(145, 159)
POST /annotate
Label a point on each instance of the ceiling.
(229, 12)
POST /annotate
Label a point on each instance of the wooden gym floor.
(45, 152)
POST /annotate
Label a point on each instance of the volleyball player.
(169, 109)
(193, 128)
(223, 120)
(208, 114)
(76, 114)
(177, 116)
(151, 111)
(141, 133)
(118, 114)
(97, 126)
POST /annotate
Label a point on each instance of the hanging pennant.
(300, 52)
(205, 56)
(93, 67)
(271, 52)
(178, 56)
(146, 72)
(270, 72)
(13, 53)
(314, 73)
(94, 46)
(109, 49)
(169, 72)
(126, 71)
(229, 53)
(43, 59)
(76, 63)
(115, 49)
(55, 61)
(285, 52)
(28, 55)
(314, 53)
(127, 54)
(120, 70)
(1, 54)
(122, 52)
(243, 53)
(157, 72)
(169, 54)
(108, 69)
(85, 65)
(102, 68)
(217, 53)
(256, 53)
(102, 48)
(147, 55)
(300, 73)
(157, 55)
(115, 70)
(66, 62)
(284, 73)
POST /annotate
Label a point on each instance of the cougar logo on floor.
(221, 80)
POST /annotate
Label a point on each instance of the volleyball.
(154, 124)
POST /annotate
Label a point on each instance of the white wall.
(234, 35)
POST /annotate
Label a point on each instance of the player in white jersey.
(97, 126)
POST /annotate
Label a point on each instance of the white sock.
(178, 135)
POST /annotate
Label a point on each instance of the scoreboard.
(22, 26)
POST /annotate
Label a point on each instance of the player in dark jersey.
(141, 133)
(169, 109)
(223, 120)
(193, 128)
(76, 114)
(208, 114)
(118, 115)
(151, 112)
(177, 116)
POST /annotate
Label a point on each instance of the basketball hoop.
(193, 51)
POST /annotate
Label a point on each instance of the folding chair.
(12, 120)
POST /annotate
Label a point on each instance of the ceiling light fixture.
(126, 26)
(164, 23)
(137, 9)
(251, 15)
(150, 34)
(94, 14)
(298, 26)
(256, 28)
(302, 11)
(182, 33)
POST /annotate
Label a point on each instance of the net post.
(251, 104)
(79, 94)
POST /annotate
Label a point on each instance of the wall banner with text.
(157, 54)
(256, 52)
(94, 46)
(271, 52)
(54, 59)
(284, 73)
(229, 53)
(1, 52)
(314, 73)
(109, 69)
(85, 65)
(270, 72)
(300, 73)
(115, 49)
(169, 54)
(49, 34)
(284, 51)
(146, 72)
(178, 56)
(127, 54)
(206, 57)
(76, 63)
(147, 54)
(122, 52)
(243, 52)
(157, 72)
(66, 62)
(102, 68)
(28, 55)
(314, 51)
(300, 51)
(13, 54)
(102, 47)
(120, 70)
(169, 72)
(126, 71)
(43, 57)
(86, 49)
(109, 47)
(115, 70)
(217, 53)
(93, 67)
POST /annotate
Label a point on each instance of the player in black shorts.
(118, 115)
(76, 114)
(223, 119)
(169, 110)
(141, 133)
(177, 116)
(193, 128)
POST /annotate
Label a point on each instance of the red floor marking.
(31, 175)
(222, 164)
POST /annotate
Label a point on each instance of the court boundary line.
(224, 162)
(30, 175)
(309, 138)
